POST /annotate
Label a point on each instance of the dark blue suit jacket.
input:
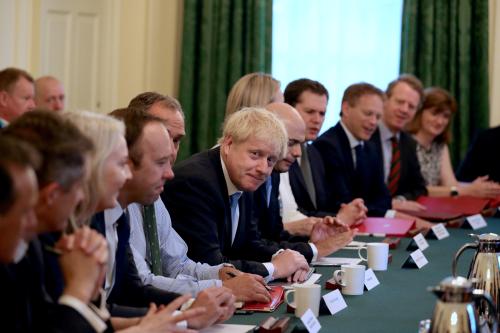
(269, 220)
(481, 159)
(26, 306)
(198, 202)
(299, 188)
(128, 289)
(341, 178)
(411, 182)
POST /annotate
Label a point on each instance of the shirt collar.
(112, 215)
(385, 132)
(231, 188)
(353, 142)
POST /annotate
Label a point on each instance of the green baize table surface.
(401, 300)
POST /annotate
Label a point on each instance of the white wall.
(494, 56)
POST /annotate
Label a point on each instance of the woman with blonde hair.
(254, 89)
(431, 129)
(109, 167)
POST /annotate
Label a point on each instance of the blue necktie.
(235, 213)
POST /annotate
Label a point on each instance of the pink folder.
(447, 208)
(385, 227)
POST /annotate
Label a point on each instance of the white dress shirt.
(289, 208)
(111, 217)
(181, 274)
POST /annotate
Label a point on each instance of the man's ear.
(49, 193)
(3, 98)
(226, 144)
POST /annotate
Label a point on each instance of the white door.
(73, 45)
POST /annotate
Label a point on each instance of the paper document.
(354, 245)
(228, 328)
(328, 261)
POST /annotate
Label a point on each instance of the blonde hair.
(258, 123)
(104, 131)
(254, 89)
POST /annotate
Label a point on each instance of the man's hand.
(287, 263)
(227, 272)
(248, 287)
(163, 320)
(331, 235)
(408, 206)
(353, 213)
(218, 303)
(83, 263)
(301, 227)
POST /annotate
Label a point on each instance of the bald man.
(328, 234)
(49, 94)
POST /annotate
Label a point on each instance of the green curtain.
(222, 41)
(445, 43)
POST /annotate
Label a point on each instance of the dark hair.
(355, 91)
(410, 80)
(295, 88)
(135, 120)
(145, 101)
(440, 100)
(61, 144)
(9, 76)
(14, 153)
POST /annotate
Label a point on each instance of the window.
(338, 43)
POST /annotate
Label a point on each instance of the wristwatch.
(453, 191)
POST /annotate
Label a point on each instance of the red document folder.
(448, 208)
(379, 226)
(276, 292)
(494, 202)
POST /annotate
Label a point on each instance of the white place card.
(312, 279)
(421, 242)
(310, 322)
(440, 231)
(371, 280)
(335, 301)
(477, 221)
(419, 258)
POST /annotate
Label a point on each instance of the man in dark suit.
(481, 160)
(348, 155)
(397, 149)
(150, 150)
(210, 198)
(26, 306)
(306, 176)
(329, 234)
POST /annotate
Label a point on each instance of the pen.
(52, 250)
(232, 275)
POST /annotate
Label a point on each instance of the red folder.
(379, 226)
(277, 293)
(447, 208)
(494, 202)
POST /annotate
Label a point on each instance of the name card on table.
(477, 221)
(310, 322)
(335, 301)
(421, 242)
(371, 280)
(417, 242)
(415, 260)
(438, 232)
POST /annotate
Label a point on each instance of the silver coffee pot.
(456, 310)
(484, 270)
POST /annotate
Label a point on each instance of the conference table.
(401, 300)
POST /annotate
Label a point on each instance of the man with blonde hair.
(210, 198)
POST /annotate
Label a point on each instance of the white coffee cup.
(377, 255)
(307, 296)
(351, 278)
